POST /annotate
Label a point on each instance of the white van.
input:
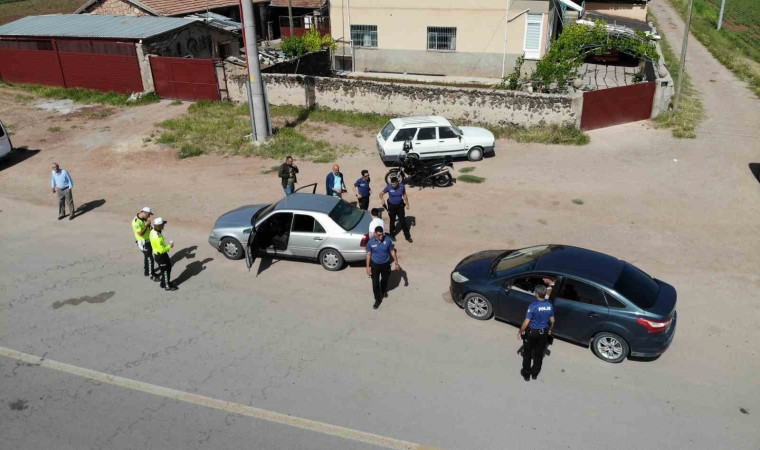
(5, 142)
(433, 137)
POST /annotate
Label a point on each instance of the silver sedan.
(301, 226)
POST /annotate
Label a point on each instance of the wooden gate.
(184, 78)
(614, 106)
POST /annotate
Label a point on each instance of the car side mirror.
(460, 138)
(247, 231)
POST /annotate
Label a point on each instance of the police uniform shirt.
(380, 251)
(539, 313)
(395, 195)
(362, 186)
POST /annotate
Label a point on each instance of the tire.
(331, 259)
(231, 248)
(442, 180)
(610, 347)
(475, 154)
(477, 306)
(394, 173)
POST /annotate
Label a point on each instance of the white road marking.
(222, 405)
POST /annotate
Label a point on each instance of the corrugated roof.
(177, 7)
(311, 4)
(93, 26)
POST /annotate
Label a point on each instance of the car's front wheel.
(478, 306)
(475, 154)
(610, 347)
(331, 259)
(231, 248)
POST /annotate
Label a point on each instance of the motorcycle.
(414, 171)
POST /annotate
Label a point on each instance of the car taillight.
(364, 241)
(654, 326)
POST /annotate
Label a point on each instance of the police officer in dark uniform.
(380, 251)
(362, 190)
(397, 201)
(535, 332)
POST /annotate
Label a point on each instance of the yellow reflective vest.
(138, 225)
(158, 243)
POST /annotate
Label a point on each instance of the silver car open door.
(252, 248)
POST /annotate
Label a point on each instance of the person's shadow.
(84, 208)
(191, 270)
(755, 169)
(187, 252)
(395, 277)
(411, 222)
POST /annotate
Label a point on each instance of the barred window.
(442, 38)
(364, 35)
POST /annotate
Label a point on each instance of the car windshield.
(262, 213)
(346, 215)
(520, 257)
(637, 286)
(387, 131)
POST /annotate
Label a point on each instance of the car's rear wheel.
(331, 259)
(475, 154)
(610, 347)
(478, 306)
(231, 248)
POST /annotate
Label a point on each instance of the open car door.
(252, 248)
(313, 187)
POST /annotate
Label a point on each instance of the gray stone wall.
(495, 107)
(665, 90)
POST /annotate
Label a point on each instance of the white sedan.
(433, 137)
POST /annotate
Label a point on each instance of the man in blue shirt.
(362, 190)
(535, 332)
(334, 182)
(62, 184)
(397, 201)
(380, 251)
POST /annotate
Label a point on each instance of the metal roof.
(93, 26)
(308, 202)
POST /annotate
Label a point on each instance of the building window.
(364, 35)
(533, 26)
(442, 38)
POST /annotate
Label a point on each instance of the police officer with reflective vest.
(535, 332)
(397, 201)
(161, 252)
(141, 228)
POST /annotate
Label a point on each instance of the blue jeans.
(288, 189)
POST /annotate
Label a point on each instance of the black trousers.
(380, 275)
(165, 266)
(364, 203)
(148, 262)
(534, 345)
(397, 211)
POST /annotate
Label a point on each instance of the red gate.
(30, 61)
(100, 65)
(184, 78)
(613, 106)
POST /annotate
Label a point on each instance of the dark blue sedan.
(599, 300)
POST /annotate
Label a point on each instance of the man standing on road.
(62, 184)
(380, 250)
(362, 190)
(141, 227)
(397, 201)
(535, 331)
(334, 182)
(161, 252)
(287, 174)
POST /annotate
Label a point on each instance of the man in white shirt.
(377, 221)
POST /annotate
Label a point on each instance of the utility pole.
(679, 86)
(256, 96)
(720, 16)
(504, 56)
(290, 16)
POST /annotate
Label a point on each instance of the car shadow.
(265, 262)
(187, 252)
(84, 208)
(755, 169)
(17, 156)
(191, 270)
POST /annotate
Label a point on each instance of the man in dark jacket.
(287, 174)
(334, 183)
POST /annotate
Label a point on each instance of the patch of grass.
(223, 128)
(467, 169)
(737, 44)
(578, 201)
(352, 119)
(11, 10)
(176, 102)
(86, 96)
(684, 121)
(470, 179)
(272, 169)
(54, 129)
(540, 134)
